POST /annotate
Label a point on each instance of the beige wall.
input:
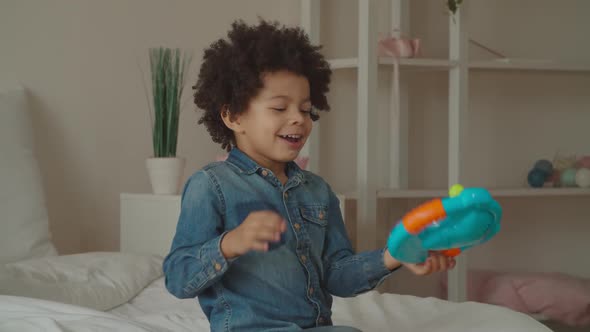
(79, 59)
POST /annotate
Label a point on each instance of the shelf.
(418, 63)
(539, 65)
(411, 193)
(343, 63)
(424, 63)
(534, 192)
(497, 192)
(444, 64)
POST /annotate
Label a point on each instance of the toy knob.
(455, 190)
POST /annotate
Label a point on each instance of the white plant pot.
(165, 174)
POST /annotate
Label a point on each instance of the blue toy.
(451, 225)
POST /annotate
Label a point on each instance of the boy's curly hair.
(232, 71)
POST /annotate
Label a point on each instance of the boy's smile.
(275, 126)
(294, 141)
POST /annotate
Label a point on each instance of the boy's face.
(277, 122)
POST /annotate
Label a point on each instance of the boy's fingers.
(434, 263)
(266, 235)
(260, 246)
(274, 220)
(443, 263)
(423, 268)
(427, 268)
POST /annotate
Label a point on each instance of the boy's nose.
(296, 116)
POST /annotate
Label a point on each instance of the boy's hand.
(255, 233)
(436, 262)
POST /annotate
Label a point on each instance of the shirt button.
(321, 320)
(217, 266)
(321, 215)
(311, 291)
(286, 195)
(297, 226)
(264, 172)
(303, 258)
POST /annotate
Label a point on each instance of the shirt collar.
(248, 166)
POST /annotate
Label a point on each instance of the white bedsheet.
(156, 310)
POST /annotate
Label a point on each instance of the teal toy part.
(471, 218)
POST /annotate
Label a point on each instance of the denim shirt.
(286, 288)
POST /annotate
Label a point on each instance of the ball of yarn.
(568, 177)
(545, 166)
(536, 178)
(564, 162)
(554, 178)
(583, 177)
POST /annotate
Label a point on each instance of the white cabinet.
(148, 222)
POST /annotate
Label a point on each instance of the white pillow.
(97, 280)
(24, 226)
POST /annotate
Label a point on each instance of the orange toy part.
(423, 215)
(451, 252)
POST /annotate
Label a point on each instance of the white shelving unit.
(369, 188)
(366, 64)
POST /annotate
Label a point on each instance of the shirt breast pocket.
(315, 214)
(315, 218)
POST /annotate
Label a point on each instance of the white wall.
(79, 59)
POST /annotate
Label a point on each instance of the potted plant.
(453, 5)
(168, 68)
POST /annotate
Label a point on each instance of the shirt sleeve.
(195, 261)
(346, 273)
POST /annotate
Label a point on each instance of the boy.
(260, 241)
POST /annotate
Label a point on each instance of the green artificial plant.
(168, 72)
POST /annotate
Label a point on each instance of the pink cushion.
(557, 296)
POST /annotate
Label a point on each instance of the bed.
(113, 282)
(113, 291)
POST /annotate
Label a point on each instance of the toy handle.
(423, 215)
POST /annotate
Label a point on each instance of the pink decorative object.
(583, 162)
(301, 161)
(556, 296)
(399, 47)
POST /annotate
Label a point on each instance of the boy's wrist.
(390, 262)
(226, 247)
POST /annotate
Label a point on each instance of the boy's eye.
(305, 110)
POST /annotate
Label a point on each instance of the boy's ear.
(230, 120)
